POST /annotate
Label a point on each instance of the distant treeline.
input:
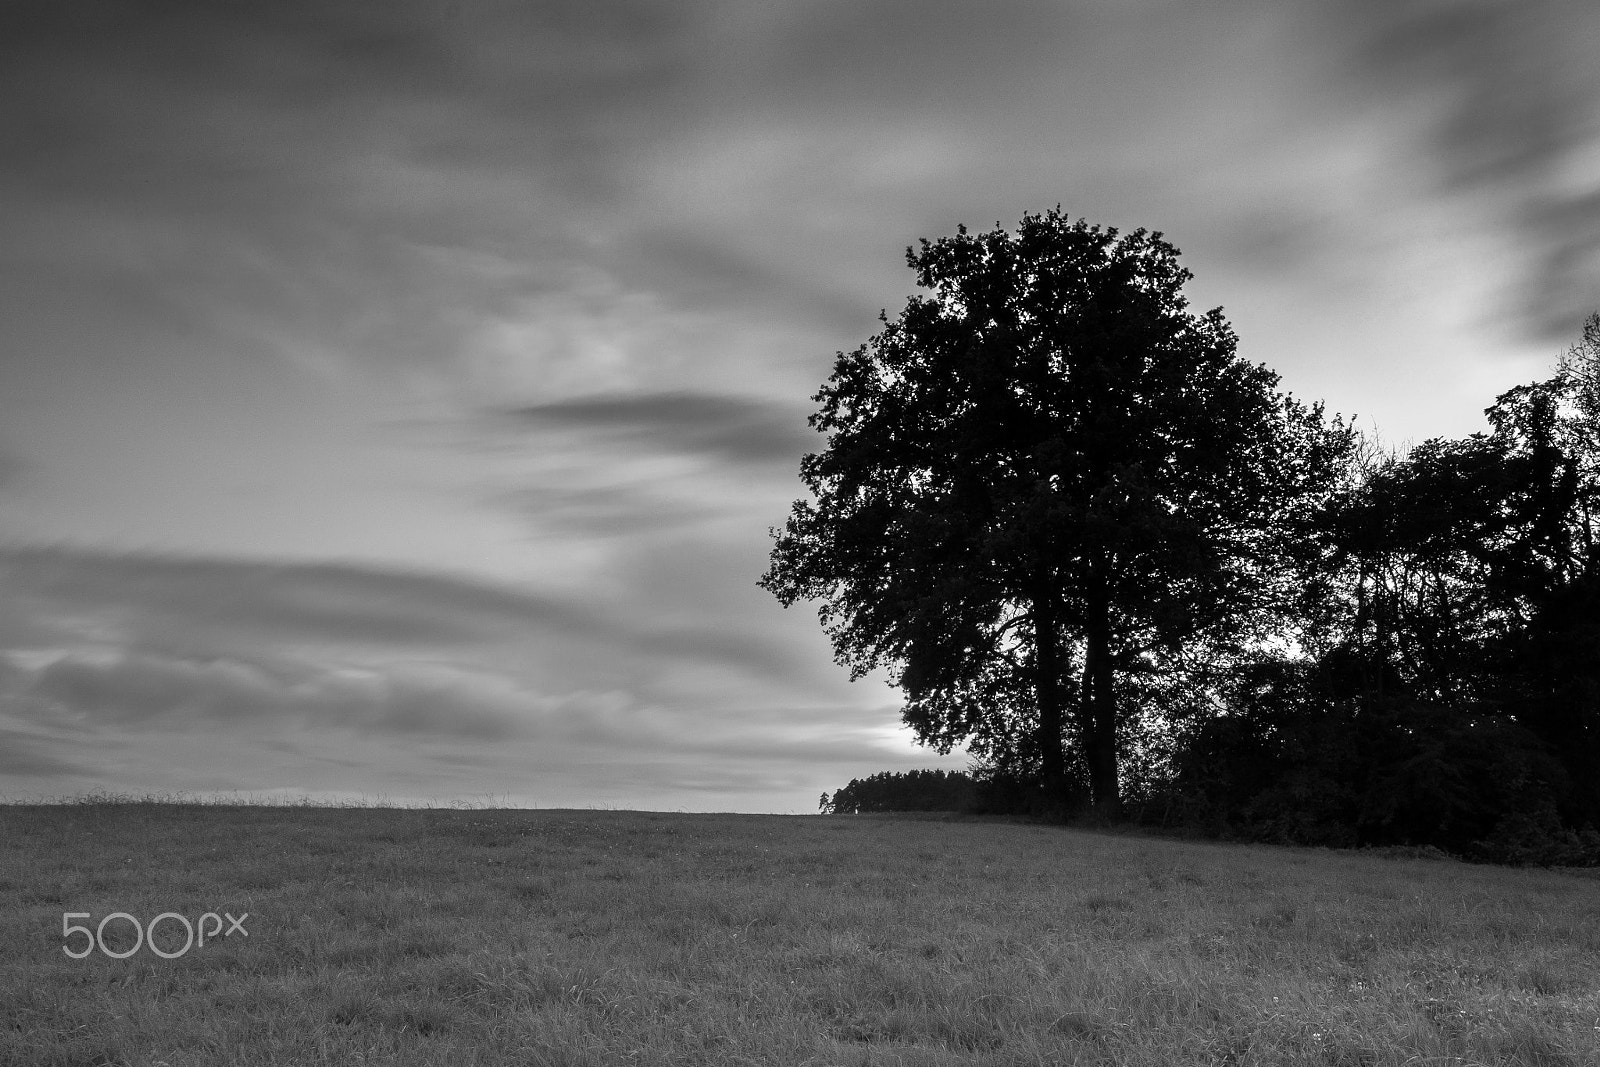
(908, 791)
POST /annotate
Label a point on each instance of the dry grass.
(557, 937)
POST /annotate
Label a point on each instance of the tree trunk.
(1098, 717)
(1047, 691)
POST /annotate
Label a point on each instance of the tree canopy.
(1044, 478)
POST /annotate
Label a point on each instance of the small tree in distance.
(1044, 475)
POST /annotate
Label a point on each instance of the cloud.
(283, 180)
(130, 635)
(209, 674)
(143, 629)
(362, 616)
(142, 690)
(625, 467)
(1506, 98)
(25, 755)
(11, 471)
(66, 593)
(737, 430)
(596, 512)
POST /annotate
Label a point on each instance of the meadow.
(404, 936)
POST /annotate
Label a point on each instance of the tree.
(1045, 476)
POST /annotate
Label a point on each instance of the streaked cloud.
(726, 429)
(219, 607)
(22, 755)
(1504, 103)
(142, 690)
(287, 668)
(11, 470)
(151, 597)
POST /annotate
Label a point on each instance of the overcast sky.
(394, 397)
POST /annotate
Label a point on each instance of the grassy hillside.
(561, 937)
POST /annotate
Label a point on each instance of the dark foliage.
(1044, 477)
(1092, 545)
(1293, 763)
(935, 790)
(1448, 691)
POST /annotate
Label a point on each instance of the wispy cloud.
(143, 690)
(11, 470)
(297, 667)
(726, 429)
(352, 614)
(1506, 103)
(24, 755)
(156, 598)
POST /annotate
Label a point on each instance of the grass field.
(392, 936)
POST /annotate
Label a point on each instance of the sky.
(395, 397)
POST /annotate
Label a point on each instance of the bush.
(1537, 839)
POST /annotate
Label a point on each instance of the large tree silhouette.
(1045, 474)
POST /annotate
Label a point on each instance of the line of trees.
(920, 790)
(1088, 541)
